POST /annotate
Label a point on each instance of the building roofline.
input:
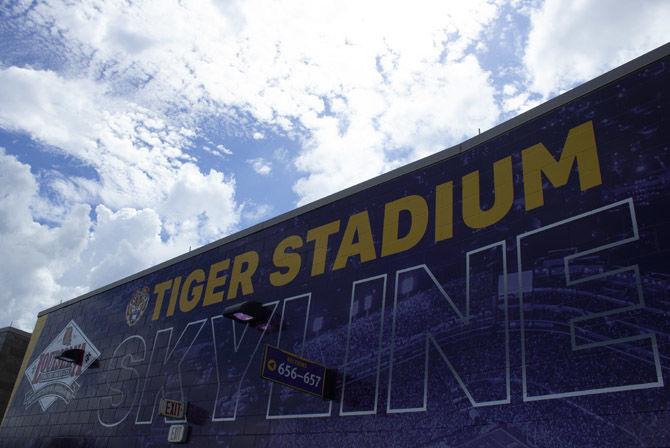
(16, 331)
(532, 114)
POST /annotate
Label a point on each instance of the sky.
(131, 131)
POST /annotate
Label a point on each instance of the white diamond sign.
(53, 379)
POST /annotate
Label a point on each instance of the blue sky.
(133, 130)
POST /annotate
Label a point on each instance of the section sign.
(291, 370)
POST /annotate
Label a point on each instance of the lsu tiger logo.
(137, 305)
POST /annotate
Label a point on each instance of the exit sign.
(172, 408)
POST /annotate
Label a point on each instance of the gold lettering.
(580, 146)
(320, 237)
(358, 227)
(283, 259)
(244, 267)
(417, 207)
(444, 211)
(174, 293)
(503, 190)
(214, 280)
(186, 303)
(160, 290)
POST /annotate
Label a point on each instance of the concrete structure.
(13, 344)
(509, 291)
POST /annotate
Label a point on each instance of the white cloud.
(201, 206)
(41, 265)
(133, 150)
(516, 100)
(218, 150)
(510, 89)
(253, 213)
(258, 136)
(421, 109)
(128, 240)
(119, 244)
(281, 154)
(33, 256)
(375, 82)
(384, 72)
(575, 40)
(224, 150)
(136, 154)
(145, 186)
(521, 102)
(260, 166)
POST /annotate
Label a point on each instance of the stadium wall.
(512, 290)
